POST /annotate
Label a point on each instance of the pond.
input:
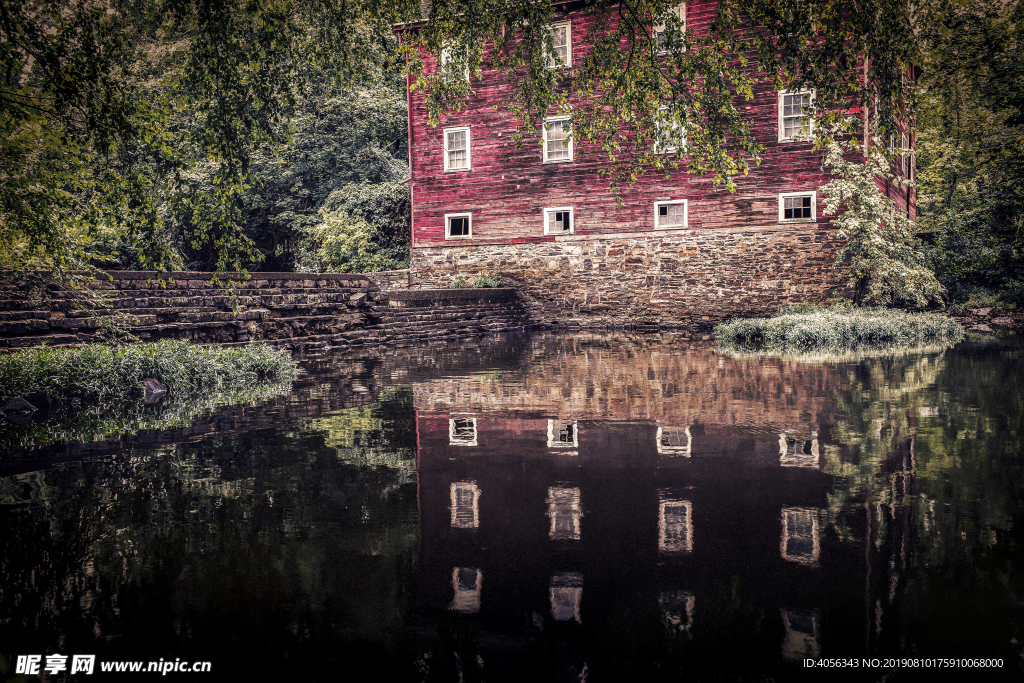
(544, 507)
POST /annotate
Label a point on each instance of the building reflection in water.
(801, 639)
(462, 431)
(465, 505)
(564, 512)
(674, 441)
(566, 593)
(797, 450)
(466, 582)
(675, 525)
(562, 434)
(677, 610)
(800, 541)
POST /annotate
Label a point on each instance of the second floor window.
(456, 149)
(660, 31)
(557, 143)
(795, 114)
(561, 36)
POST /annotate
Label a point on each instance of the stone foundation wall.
(296, 310)
(690, 280)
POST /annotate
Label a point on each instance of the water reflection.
(724, 515)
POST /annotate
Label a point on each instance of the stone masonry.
(692, 280)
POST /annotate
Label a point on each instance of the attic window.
(458, 226)
(670, 214)
(659, 31)
(798, 207)
(558, 220)
(561, 36)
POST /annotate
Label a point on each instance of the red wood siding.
(507, 188)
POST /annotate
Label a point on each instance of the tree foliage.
(971, 146)
(880, 252)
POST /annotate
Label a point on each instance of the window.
(675, 525)
(465, 505)
(562, 434)
(557, 140)
(670, 214)
(466, 582)
(456, 149)
(558, 221)
(660, 31)
(674, 441)
(564, 511)
(797, 450)
(677, 610)
(669, 136)
(566, 593)
(795, 114)
(561, 36)
(801, 641)
(450, 64)
(462, 431)
(799, 536)
(798, 207)
(458, 226)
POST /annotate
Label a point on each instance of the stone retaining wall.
(296, 310)
(683, 280)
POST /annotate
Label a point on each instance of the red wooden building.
(675, 250)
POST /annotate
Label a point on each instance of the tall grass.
(109, 380)
(809, 328)
(115, 373)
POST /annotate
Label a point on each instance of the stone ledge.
(413, 297)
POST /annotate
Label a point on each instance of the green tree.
(880, 252)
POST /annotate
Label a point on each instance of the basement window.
(795, 114)
(798, 207)
(456, 149)
(558, 220)
(674, 441)
(557, 140)
(670, 214)
(458, 226)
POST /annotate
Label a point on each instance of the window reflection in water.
(466, 582)
(799, 535)
(462, 431)
(798, 450)
(566, 592)
(675, 525)
(674, 441)
(465, 505)
(677, 610)
(562, 434)
(564, 511)
(801, 640)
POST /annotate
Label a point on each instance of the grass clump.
(102, 373)
(107, 381)
(486, 281)
(809, 328)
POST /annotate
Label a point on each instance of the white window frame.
(674, 539)
(674, 202)
(448, 226)
(795, 514)
(554, 426)
(568, 141)
(564, 505)
(469, 156)
(814, 207)
(782, 117)
(668, 449)
(458, 514)
(659, 126)
(548, 213)
(658, 29)
(461, 441)
(552, 63)
(443, 60)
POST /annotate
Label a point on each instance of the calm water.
(564, 508)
